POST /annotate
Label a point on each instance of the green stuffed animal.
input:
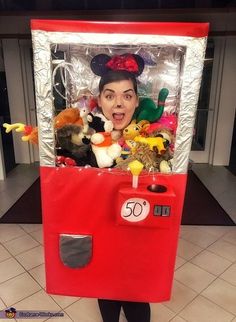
(148, 110)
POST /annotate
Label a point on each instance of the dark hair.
(116, 76)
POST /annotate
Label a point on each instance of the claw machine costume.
(111, 231)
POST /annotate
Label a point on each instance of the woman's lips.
(118, 116)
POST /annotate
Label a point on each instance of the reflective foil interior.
(63, 75)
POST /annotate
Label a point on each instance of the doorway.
(202, 136)
(17, 102)
(232, 161)
(5, 117)
(208, 104)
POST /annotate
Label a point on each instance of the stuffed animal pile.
(152, 144)
(85, 137)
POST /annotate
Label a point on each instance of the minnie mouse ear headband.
(102, 63)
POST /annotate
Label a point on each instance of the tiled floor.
(204, 287)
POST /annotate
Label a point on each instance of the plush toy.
(30, 133)
(166, 127)
(85, 104)
(73, 143)
(127, 140)
(154, 143)
(99, 122)
(143, 154)
(68, 116)
(62, 161)
(128, 147)
(150, 159)
(153, 150)
(167, 121)
(147, 109)
(84, 115)
(134, 129)
(165, 166)
(105, 151)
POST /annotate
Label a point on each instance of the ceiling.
(55, 5)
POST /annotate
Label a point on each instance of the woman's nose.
(118, 102)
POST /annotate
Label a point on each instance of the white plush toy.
(103, 148)
(105, 151)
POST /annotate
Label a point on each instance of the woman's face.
(118, 101)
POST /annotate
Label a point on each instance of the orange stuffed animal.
(68, 116)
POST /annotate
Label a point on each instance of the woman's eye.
(109, 97)
(128, 97)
